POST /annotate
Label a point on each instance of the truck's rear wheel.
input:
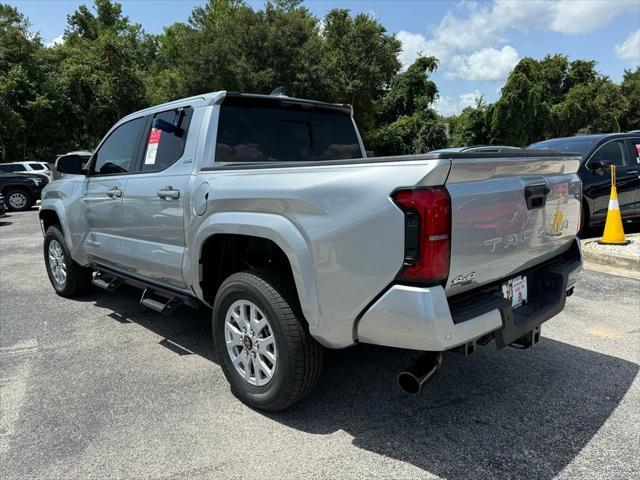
(67, 277)
(266, 351)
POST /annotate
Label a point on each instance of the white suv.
(32, 167)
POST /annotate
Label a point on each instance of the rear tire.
(68, 278)
(266, 352)
(584, 220)
(18, 200)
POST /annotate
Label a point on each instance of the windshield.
(578, 144)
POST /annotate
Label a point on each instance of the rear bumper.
(425, 319)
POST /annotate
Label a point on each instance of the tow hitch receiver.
(529, 339)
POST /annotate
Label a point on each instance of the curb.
(613, 261)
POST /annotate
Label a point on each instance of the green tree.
(552, 97)
(630, 90)
(25, 99)
(226, 45)
(359, 59)
(472, 126)
(102, 65)
(406, 122)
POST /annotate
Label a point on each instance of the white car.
(32, 167)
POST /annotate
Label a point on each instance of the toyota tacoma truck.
(266, 209)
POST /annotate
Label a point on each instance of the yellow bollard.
(613, 231)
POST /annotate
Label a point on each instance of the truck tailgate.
(509, 214)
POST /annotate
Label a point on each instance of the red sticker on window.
(152, 147)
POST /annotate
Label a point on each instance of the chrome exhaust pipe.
(420, 372)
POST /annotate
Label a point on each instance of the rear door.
(102, 193)
(598, 185)
(509, 214)
(156, 196)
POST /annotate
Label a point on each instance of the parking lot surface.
(101, 387)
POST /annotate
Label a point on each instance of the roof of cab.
(216, 98)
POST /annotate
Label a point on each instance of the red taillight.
(427, 253)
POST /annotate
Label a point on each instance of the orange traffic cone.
(613, 231)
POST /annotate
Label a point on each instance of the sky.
(477, 42)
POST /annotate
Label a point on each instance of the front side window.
(167, 139)
(614, 152)
(249, 133)
(117, 152)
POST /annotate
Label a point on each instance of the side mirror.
(600, 166)
(71, 164)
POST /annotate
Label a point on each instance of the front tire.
(68, 278)
(584, 221)
(267, 354)
(18, 200)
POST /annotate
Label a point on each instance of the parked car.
(266, 209)
(41, 168)
(598, 153)
(21, 191)
(478, 149)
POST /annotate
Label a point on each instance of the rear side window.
(117, 153)
(13, 168)
(614, 152)
(36, 166)
(271, 134)
(167, 139)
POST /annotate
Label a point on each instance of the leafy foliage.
(62, 97)
(405, 122)
(554, 97)
(630, 89)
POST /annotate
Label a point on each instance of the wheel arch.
(54, 213)
(273, 233)
(49, 218)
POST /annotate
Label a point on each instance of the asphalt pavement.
(101, 387)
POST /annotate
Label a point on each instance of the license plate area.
(515, 290)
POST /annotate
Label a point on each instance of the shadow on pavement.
(511, 413)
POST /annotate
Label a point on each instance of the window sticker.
(152, 147)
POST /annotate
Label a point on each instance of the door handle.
(114, 192)
(168, 193)
(536, 196)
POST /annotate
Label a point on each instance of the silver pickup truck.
(267, 210)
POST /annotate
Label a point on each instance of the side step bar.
(158, 302)
(106, 282)
(157, 297)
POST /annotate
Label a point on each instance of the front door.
(102, 193)
(598, 183)
(155, 198)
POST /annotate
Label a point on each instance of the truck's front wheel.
(266, 351)
(67, 277)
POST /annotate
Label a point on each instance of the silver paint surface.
(337, 224)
